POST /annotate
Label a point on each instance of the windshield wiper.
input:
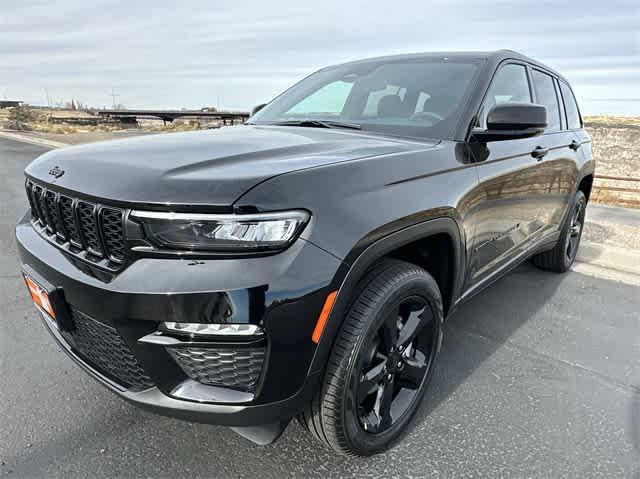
(319, 124)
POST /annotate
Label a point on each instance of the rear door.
(559, 165)
(580, 142)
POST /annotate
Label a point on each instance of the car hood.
(213, 167)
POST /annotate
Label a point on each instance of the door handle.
(539, 152)
(574, 145)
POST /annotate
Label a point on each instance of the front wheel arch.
(360, 260)
(333, 416)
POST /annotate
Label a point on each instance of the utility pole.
(46, 92)
(113, 97)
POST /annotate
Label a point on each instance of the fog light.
(203, 329)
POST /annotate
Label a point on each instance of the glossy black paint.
(512, 121)
(207, 169)
(494, 203)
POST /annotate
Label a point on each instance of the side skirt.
(544, 243)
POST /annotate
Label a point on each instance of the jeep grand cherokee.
(303, 264)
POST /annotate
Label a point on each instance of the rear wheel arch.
(585, 185)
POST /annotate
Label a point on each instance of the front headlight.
(220, 232)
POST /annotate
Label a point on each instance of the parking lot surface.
(539, 376)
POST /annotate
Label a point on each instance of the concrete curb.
(34, 140)
(610, 257)
(601, 272)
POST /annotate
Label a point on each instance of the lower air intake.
(103, 349)
(237, 368)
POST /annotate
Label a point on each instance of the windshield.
(408, 97)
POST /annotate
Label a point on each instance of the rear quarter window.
(571, 107)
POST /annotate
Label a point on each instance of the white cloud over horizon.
(196, 53)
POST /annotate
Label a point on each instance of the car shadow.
(482, 325)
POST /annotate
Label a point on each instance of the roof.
(495, 57)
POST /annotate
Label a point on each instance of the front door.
(516, 207)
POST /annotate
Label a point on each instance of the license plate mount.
(48, 299)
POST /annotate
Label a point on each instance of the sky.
(236, 54)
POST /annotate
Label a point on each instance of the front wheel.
(381, 362)
(561, 257)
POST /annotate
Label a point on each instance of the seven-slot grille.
(88, 230)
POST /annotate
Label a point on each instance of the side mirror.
(256, 109)
(511, 121)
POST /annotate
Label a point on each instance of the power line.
(113, 97)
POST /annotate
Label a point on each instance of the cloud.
(189, 54)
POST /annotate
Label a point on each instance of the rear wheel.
(381, 362)
(561, 257)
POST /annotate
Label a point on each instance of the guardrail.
(614, 193)
(81, 120)
(618, 178)
(225, 117)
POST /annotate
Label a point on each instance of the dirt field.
(49, 121)
(616, 142)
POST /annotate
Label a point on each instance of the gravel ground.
(614, 226)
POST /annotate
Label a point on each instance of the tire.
(366, 402)
(561, 257)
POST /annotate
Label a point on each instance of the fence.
(616, 193)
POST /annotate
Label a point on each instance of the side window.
(329, 99)
(573, 114)
(510, 84)
(546, 95)
(563, 114)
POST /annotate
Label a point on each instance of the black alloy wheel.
(575, 230)
(395, 364)
(560, 258)
(381, 362)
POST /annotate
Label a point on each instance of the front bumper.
(282, 293)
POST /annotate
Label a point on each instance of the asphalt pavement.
(539, 376)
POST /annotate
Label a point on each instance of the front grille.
(237, 368)
(69, 221)
(51, 205)
(91, 231)
(113, 232)
(89, 228)
(104, 349)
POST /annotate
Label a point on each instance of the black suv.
(303, 264)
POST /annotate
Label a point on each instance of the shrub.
(20, 118)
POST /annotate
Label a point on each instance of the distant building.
(10, 103)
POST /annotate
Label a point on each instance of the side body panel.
(528, 183)
(356, 203)
(364, 209)
(517, 206)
